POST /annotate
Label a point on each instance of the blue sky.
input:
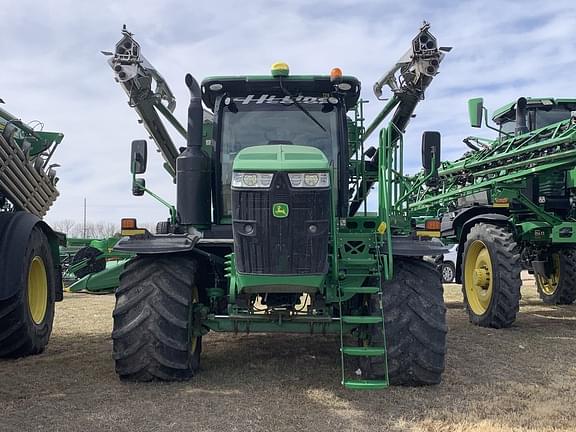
(52, 69)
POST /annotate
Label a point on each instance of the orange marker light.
(128, 224)
(432, 225)
(335, 74)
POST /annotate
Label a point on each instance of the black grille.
(265, 244)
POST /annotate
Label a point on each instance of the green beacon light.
(280, 69)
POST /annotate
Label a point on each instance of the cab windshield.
(545, 118)
(537, 118)
(258, 121)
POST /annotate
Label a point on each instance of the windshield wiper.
(300, 107)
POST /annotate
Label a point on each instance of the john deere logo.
(280, 210)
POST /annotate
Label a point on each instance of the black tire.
(447, 272)
(93, 265)
(152, 323)
(503, 302)
(20, 334)
(415, 326)
(163, 227)
(564, 293)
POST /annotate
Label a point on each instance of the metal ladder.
(363, 322)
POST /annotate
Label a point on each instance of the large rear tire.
(491, 276)
(559, 285)
(152, 320)
(26, 318)
(414, 325)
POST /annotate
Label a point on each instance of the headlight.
(309, 180)
(251, 180)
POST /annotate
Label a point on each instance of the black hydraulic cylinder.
(193, 167)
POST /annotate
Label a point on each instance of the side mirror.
(138, 157)
(138, 187)
(476, 111)
(431, 151)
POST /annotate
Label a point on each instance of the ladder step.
(363, 351)
(358, 261)
(360, 319)
(365, 384)
(361, 289)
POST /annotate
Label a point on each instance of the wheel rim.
(37, 290)
(478, 278)
(549, 283)
(447, 273)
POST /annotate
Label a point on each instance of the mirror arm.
(434, 171)
(170, 207)
(485, 115)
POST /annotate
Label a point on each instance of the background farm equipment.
(271, 231)
(509, 204)
(92, 265)
(30, 271)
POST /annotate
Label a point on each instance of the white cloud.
(52, 69)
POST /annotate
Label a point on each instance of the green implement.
(30, 267)
(92, 265)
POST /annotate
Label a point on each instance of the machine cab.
(281, 154)
(541, 112)
(276, 110)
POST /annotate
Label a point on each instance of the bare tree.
(66, 226)
(105, 229)
(94, 230)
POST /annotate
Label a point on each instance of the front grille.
(264, 244)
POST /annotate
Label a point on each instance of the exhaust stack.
(193, 166)
(521, 112)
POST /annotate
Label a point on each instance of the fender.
(15, 230)
(493, 218)
(149, 244)
(453, 222)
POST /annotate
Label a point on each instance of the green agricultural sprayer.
(30, 272)
(271, 231)
(509, 205)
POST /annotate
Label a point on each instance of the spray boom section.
(416, 68)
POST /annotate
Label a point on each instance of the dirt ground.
(522, 378)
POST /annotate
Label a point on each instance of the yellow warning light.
(381, 228)
(280, 69)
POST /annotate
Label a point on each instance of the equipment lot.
(523, 378)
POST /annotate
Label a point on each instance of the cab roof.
(542, 102)
(297, 85)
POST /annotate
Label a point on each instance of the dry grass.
(519, 379)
